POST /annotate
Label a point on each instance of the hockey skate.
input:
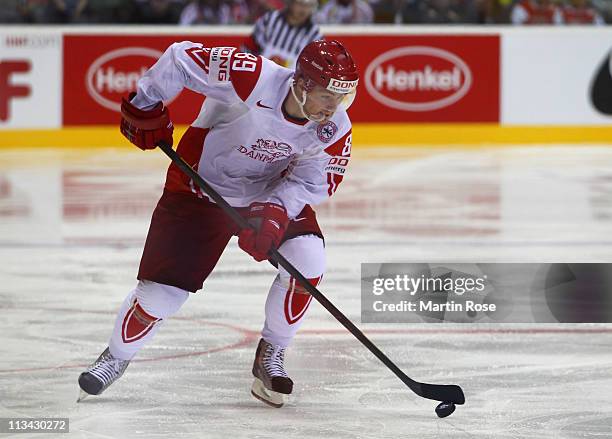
(101, 374)
(271, 381)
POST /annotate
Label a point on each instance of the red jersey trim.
(200, 56)
(245, 72)
(339, 147)
(190, 147)
(292, 119)
(340, 152)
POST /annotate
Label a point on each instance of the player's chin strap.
(301, 103)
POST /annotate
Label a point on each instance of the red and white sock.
(288, 301)
(141, 315)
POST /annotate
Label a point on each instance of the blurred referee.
(281, 35)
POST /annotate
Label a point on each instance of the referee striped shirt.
(277, 40)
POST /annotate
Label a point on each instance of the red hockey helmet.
(328, 64)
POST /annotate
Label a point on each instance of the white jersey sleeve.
(314, 176)
(198, 68)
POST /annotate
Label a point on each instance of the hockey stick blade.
(438, 392)
(442, 392)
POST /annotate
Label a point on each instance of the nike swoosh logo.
(259, 104)
(601, 87)
(298, 219)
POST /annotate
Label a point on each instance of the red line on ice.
(250, 336)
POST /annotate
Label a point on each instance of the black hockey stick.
(437, 392)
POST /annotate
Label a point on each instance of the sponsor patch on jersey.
(337, 165)
(220, 64)
(326, 131)
(338, 86)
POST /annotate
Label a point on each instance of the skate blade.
(82, 395)
(273, 399)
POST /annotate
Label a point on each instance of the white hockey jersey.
(251, 151)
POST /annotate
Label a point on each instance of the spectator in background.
(495, 11)
(156, 12)
(432, 11)
(396, 11)
(28, 11)
(66, 11)
(108, 11)
(214, 12)
(11, 12)
(259, 7)
(240, 11)
(346, 12)
(281, 35)
(448, 11)
(535, 12)
(580, 12)
(604, 9)
(385, 11)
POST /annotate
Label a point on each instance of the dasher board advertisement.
(30, 79)
(408, 78)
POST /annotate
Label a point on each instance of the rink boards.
(429, 85)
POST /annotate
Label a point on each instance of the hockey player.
(346, 12)
(281, 35)
(272, 142)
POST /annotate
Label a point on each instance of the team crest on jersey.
(266, 150)
(326, 131)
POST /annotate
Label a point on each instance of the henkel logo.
(116, 73)
(418, 78)
(8, 90)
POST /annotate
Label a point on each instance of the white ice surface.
(72, 224)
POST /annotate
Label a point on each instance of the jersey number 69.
(244, 62)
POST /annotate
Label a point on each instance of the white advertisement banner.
(30, 79)
(556, 76)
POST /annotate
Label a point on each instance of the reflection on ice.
(71, 229)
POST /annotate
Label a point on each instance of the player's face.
(322, 103)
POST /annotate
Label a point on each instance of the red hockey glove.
(145, 128)
(269, 223)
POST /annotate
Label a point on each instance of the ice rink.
(72, 225)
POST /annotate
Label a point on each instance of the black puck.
(445, 409)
